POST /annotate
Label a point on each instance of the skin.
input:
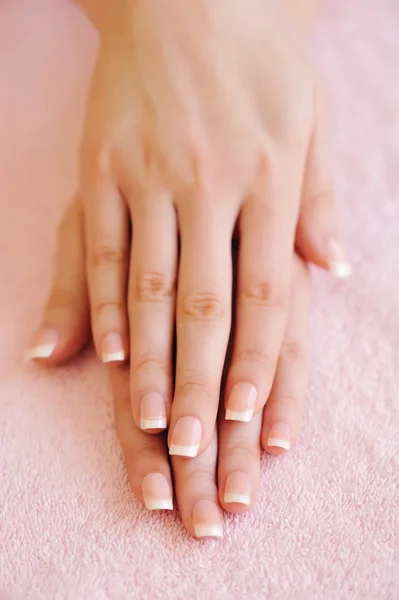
(234, 446)
(304, 12)
(155, 161)
(164, 188)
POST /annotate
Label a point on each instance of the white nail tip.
(153, 423)
(44, 351)
(232, 415)
(341, 270)
(190, 451)
(277, 443)
(158, 504)
(208, 530)
(237, 499)
(114, 357)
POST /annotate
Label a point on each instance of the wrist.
(103, 13)
(304, 14)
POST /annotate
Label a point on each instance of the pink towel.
(326, 524)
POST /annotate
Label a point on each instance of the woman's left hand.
(226, 475)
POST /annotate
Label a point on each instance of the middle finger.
(202, 322)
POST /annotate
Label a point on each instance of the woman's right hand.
(226, 475)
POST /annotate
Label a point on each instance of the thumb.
(317, 238)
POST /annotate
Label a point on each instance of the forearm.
(93, 8)
(102, 12)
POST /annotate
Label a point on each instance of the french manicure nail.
(237, 488)
(338, 263)
(112, 348)
(241, 403)
(43, 345)
(156, 492)
(207, 520)
(279, 436)
(186, 437)
(153, 412)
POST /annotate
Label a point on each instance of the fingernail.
(112, 348)
(43, 345)
(153, 412)
(186, 437)
(156, 492)
(207, 519)
(238, 488)
(241, 404)
(337, 260)
(279, 436)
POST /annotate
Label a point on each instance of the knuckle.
(153, 286)
(199, 479)
(102, 161)
(107, 255)
(101, 158)
(254, 356)
(194, 385)
(241, 451)
(291, 403)
(147, 452)
(322, 101)
(266, 160)
(111, 305)
(62, 298)
(293, 352)
(149, 361)
(73, 214)
(267, 294)
(94, 161)
(265, 167)
(200, 166)
(321, 197)
(204, 306)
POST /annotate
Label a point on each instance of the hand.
(226, 475)
(199, 120)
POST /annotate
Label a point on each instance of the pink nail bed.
(43, 344)
(153, 412)
(279, 436)
(237, 488)
(339, 265)
(207, 519)
(186, 437)
(112, 348)
(241, 403)
(157, 492)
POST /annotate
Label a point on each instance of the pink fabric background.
(326, 525)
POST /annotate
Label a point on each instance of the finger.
(146, 457)
(317, 233)
(267, 224)
(107, 228)
(65, 324)
(202, 324)
(283, 411)
(151, 310)
(239, 464)
(196, 492)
